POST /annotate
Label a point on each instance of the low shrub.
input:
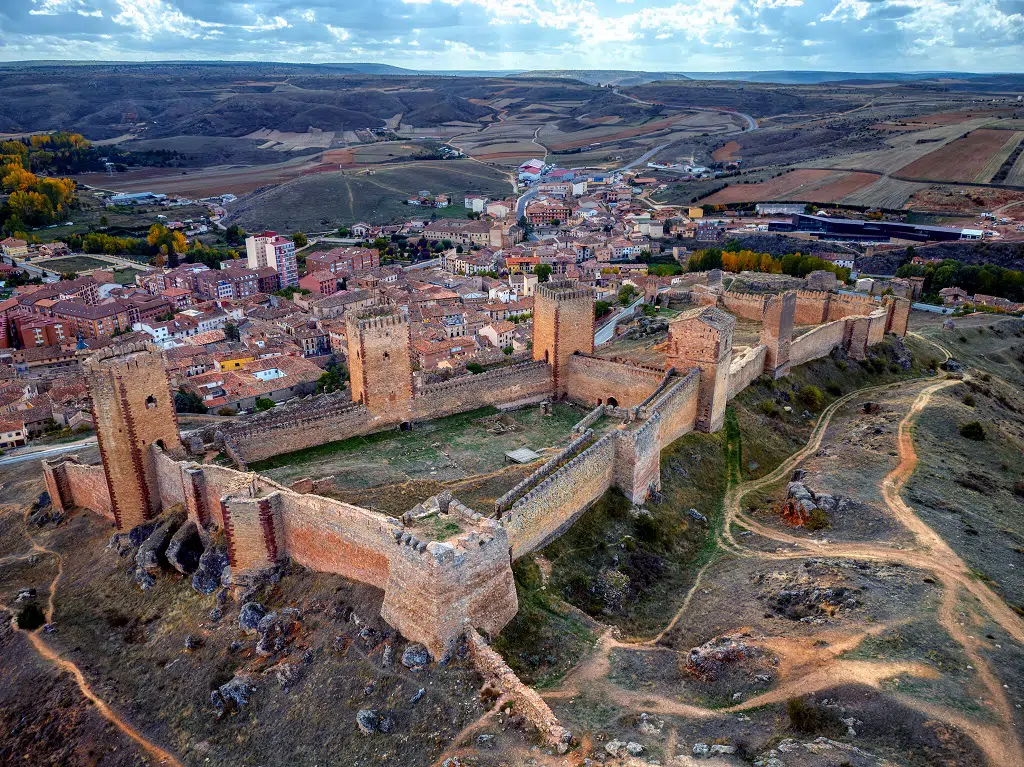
(812, 397)
(973, 430)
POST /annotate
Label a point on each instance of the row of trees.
(793, 264)
(988, 279)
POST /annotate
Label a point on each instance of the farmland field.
(800, 185)
(1016, 176)
(323, 201)
(904, 149)
(967, 159)
(886, 192)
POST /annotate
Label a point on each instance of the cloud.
(657, 35)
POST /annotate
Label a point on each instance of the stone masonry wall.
(525, 382)
(380, 364)
(745, 367)
(749, 306)
(525, 700)
(593, 380)
(677, 408)
(811, 307)
(556, 502)
(73, 484)
(563, 324)
(818, 342)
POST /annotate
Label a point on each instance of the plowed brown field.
(727, 152)
(802, 185)
(960, 160)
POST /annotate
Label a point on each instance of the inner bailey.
(433, 589)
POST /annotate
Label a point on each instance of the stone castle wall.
(749, 306)
(811, 307)
(516, 384)
(433, 589)
(555, 503)
(72, 484)
(746, 367)
(818, 342)
(593, 380)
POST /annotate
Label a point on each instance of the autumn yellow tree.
(168, 244)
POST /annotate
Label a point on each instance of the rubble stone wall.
(746, 366)
(525, 700)
(593, 380)
(677, 408)
(818, 342)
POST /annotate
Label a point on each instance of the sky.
(653, 35)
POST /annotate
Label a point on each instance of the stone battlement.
(120, 352)
(564, 290)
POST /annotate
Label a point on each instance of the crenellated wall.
(557, 501)
(435, 589)
(522, 383)
(594, 380)
(749, 306)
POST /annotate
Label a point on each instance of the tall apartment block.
(271, 249)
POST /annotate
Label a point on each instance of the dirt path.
(52, 656)
(810, 667)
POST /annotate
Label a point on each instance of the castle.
(435, 589)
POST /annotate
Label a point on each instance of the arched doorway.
(613, 402)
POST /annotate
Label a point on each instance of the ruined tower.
(777, 332)
(133, 409)
(380, 364)
(702, 338)
(563, 324)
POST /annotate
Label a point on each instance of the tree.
(343, 231)
(475, 368)
(235, 235)
(231, 332)
(627, 293)
(69, 276)
(188, 402)
(332, 379)
(601, 308)
(168, 243)
(300, 240)
(543, 272)
(262, 403)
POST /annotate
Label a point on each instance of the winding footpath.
(808, 666)
(47, 653)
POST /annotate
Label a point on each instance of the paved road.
(50, 452)
(607, 331)
(751, 122)
(642, 158)
(524, 199)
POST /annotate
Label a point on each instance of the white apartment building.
(270, 249)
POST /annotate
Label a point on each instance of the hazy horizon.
(863, 36)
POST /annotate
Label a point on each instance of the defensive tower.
(702, 338)
(380, 366)
(563, 324)
(133, 409)
(777, 332)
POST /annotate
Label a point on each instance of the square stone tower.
(380, 364)
(702, 338)
(777, 332)
(563, 324)
(133, 409)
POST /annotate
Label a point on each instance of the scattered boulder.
(150, 557)
(698, 516)
(707, 661)
(213, 563)
(250, 615)
(368, 721)
(634, 749)
(193, 642)
(287, 674)
(185, 548)
(952, 366)
(415, 656)
(230, 697)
